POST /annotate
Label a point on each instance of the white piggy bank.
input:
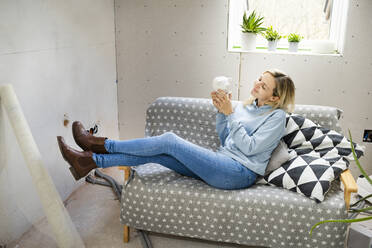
(223, 83)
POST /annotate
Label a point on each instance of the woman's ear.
(274, 98)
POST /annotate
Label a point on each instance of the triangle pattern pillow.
(304, 136)
(308, 175)
(317, 156)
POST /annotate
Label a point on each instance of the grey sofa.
(157, 199)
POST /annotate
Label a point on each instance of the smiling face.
(263, 89)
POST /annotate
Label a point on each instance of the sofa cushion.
(318, 156)
(160, 200)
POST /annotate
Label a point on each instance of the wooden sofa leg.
(126, 234)
(126, 176)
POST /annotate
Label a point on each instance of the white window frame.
(338, 24)
(337, 28)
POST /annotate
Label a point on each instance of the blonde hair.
(284, 89)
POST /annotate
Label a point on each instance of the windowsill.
(284, 51)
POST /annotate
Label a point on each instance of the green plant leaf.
(271, 34)
(364, 198)
(357, 161)
(252, 24)
(343, 221)
(293, 37)
(362, 209)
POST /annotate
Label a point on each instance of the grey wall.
(60, 58)
(176, 48)
(168, 48)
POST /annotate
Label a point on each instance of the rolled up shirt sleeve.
(221, 127)
(269, 133)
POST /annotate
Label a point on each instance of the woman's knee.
(169, 136)
(168, 139)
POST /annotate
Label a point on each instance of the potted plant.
(272, 37)
(363, 210)
(250, 28)
(293, 40)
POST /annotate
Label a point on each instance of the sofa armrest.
(349, 186)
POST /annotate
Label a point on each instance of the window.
(313, 19)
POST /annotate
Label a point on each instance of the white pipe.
(57, 215)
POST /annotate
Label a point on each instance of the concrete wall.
(176, 48)
(168, 48)
(60, 58)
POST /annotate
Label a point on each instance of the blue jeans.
(182, 156)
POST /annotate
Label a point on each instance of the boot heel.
(74, 173)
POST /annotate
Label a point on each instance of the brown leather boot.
(81, 162)
(87, 141)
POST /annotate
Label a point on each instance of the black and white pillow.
(308, 175)
(318, 156)
(304, 136)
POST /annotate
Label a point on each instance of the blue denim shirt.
(250, 134)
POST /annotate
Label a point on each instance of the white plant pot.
(271, 45)
(248, 41)
(293, 47)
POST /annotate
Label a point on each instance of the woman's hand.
(215, 100)
(221, 100)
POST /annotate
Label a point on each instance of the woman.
(248, 134)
